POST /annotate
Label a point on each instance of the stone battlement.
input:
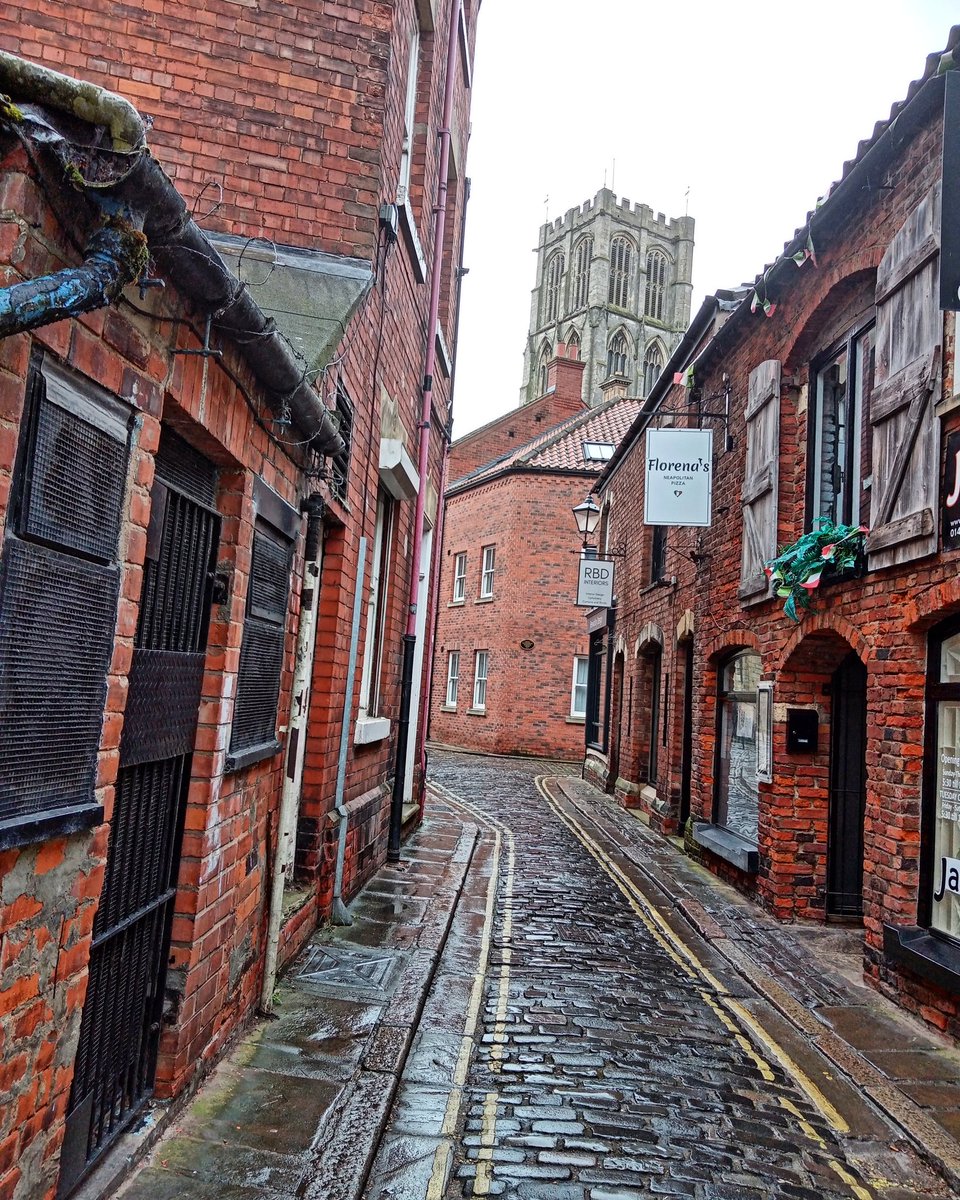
(605, 200)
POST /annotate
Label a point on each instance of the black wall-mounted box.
(803, 729)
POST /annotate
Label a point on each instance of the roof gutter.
(146, 196)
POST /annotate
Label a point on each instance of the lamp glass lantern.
(587, 516)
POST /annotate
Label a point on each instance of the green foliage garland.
(797, 569)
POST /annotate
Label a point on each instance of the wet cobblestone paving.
(610, 1062)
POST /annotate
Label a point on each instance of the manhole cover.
(347, 970)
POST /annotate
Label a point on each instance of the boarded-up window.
(253, 735)
(759, 495)
(906, 434)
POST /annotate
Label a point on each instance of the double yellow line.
(728, 1010)
(503, 848)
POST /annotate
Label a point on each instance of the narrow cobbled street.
(615, 1057)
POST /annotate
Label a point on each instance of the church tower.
(613, 286)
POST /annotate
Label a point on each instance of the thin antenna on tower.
(546, 209)
(686, 202)
(613, 177)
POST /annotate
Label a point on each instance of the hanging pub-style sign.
(595, 583)
(679, 470)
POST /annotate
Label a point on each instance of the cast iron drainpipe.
(410, 637)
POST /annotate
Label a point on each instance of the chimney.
(565, 378)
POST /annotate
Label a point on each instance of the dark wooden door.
(120, 1029)
(848, 776)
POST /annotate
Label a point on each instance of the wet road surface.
(612, 1061)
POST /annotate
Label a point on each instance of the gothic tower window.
(652, 366)
(573, 344)
(554, 276)
(617, 355)
(542, 368)
(656, 274)
(621, 264)
(581, 272)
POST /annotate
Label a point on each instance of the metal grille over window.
(261, 653)
(340, 463)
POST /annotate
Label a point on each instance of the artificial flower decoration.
(797, 570)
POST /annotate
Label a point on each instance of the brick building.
(195, 477)
(613, 286)
(509, 656)
(812, 762)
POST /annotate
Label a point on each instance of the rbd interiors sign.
(595, 585)
(678, 477)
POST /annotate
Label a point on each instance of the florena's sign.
(678, 477)
(595, 583)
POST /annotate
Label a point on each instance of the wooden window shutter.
(758, 497)
(904, 430)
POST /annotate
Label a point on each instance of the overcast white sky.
(752, 106)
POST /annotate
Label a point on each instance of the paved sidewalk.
(298, 1106)
(850, 1039)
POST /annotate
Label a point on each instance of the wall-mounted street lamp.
(587, 516)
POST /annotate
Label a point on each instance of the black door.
(686, 751)
(847, 789)
(120, 1030)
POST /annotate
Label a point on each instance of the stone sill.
(484, 600)
(476, 712)
(935, 959)
(448, 708)
(371, 729)
(456, 604)
(727, 845)
(575, 720)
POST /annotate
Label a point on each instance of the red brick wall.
(883, 617)
(528, 518)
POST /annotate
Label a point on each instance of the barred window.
(340, 463)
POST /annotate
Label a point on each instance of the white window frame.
(488, 566)
(370, 726)
(460, 578)
(453, 678)
(581, 667)
(481, 667)
(409, 117)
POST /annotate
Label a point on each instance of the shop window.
(460, 578)
(487, 568)
(578, 692)
(651, 670)
(59, 585)
(597, 691)
(944, 818)
(841, 383)
(453, 678)
(480, 667)
(737, 797)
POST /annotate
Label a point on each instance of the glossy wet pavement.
(617, 1057)
(543, 999)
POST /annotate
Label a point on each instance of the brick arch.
(738, 637)
(843, 271)
(933, 605)
(829, 623)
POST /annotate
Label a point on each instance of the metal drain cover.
(348, 970)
